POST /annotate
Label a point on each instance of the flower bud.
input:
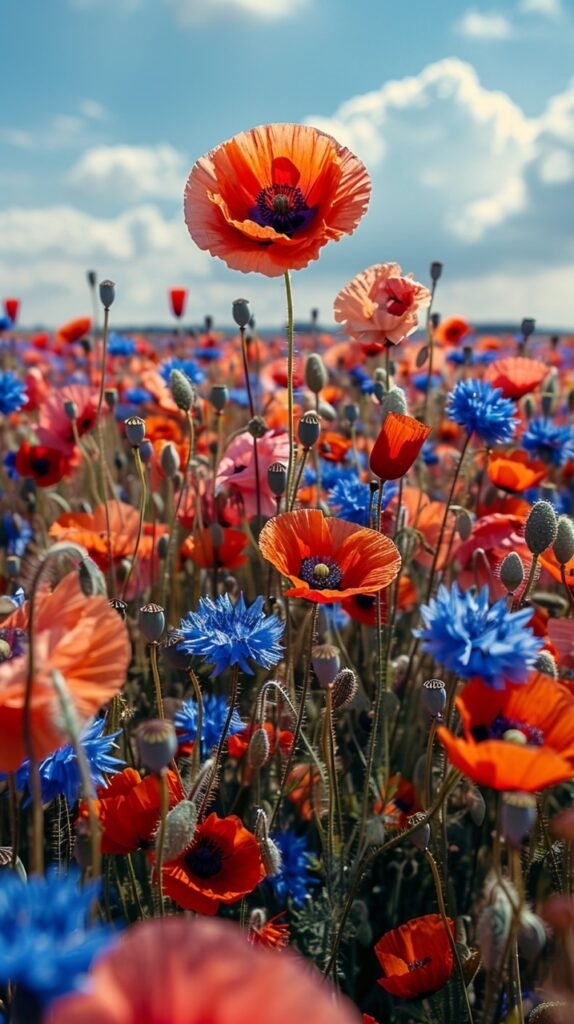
(309, 429)
(146, 450)
(277, 478)
(182, 390)
(107, 293)
(511, 572)
(169, 459)
(316, 376)
(326, 663)
(546, 664)
(257, 427)
(351, 412)
(180, 826)
(162, 546)
(464, 524)
(435, 271)
(135, 430)
(527, 327)
(157, 743)
(111, 397)
(563, 546)
(435, 320)
(422, 356)
(218, 396)
(258, 749)
(529, 407)
(394, 401)
(241, 312)
(152, 622)
(541, 527)
(270, 852)
(343, 689)
(92, 278)
(433, 697)
(421, 837)
(517, 817)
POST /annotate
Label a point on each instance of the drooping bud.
(258, 749)
(157, 743)
(512, 572)
(316, 376)
(343, 689)
(107, 293)
(152, 622)
(541, 527)
(135, 430)
(517, 817)
(309, 429)
(169, 459)
(270, 852)
(326, 663)
(241, 312)
(180, 826)
(563, 546)
(277, 478)
(182, 390)
(433, 697)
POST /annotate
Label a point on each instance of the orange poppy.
(267, 200)
(380, 306)
(306, 792)
(268, 933)
(332, 447)
(400, 802)
(81, 637)
(397, 446)
(129, 809)
(513, 471)
(452, 330)
(222, 865)
(74, 330)
(328, 560)
(520, 738)
(516, 375)
(229, 554)
(417, 958)
(238, 744)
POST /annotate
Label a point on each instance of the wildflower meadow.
(286, 640)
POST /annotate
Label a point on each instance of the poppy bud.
(435, 271)
(316, 376)
(71, 410)
(379, 390)
(464, 524)
(343, 689)
(277, 478)
(173, 654)
(422, 356)
(326, 663)
(270, 852)
(527, 327)
(146, 450)
(351, 411)
(433, 697)
(111, 397)
(258, 749)
(257, 427)
(546, 664)
(182, 390)
(397, 446)
(152, 622)
(435, 320)
(157, 744)
(169, 459)
(421, 837)
(541, 527)
(517, 817)
(563, 546)
(309, 429)
(529, 407)
(241, 312)
(180, 826)
(92, 278)
(162, 547)
(135, 430)
(178, 300)
(394, 400)
(107, 293)
(218, 396)
(511, 572)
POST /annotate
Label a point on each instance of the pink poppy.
(237, 469)
(381, 305)
(55, 426)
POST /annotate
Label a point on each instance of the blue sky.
(464, 116)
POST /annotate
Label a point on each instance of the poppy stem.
(221, 744)
(143, 499)
(164, 805)
(174, 524)
(252, 416)
(297, 484)
(156, 679)
(445, 518)
(290, 410)
(430, 342)
(196, 752)
(530, 581)
(442, 911)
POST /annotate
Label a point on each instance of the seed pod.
(180, 826)
(421, 837)
(351, 411)
(135, 430)
(435, 271)
(258, 749)
(157, 743)
(107, 293)
(343, 689)
(241, 312)
(546, 664)
(541, 527)
(512, 572)
(527, 326)
(309, 429)
(219, 396)
(517, 817)
(326, 663)
(257, 427)
(563, 546)
(277, 478)
(119, 606)
(316, 376)
(433, 697)
(182, 390)
(152, 622)
(169, 459)
(146, 450)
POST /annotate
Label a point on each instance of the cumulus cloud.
(488, 25)
(130, 173)
(546, 8)
(191, 12)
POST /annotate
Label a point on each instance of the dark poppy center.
(41, 466)
(511, 730)
(283, 208)
(321, 573)
(204, 859)
(415, 965)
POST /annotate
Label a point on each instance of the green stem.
(442, 911)
(164, 805)
(156, 680)
(196, 752)
(445, 517)
(430, 342)
(222, 739)
(290, 404)
(143, 499)
(530, 581)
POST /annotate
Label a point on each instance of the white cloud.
(93, 110)
(546, 8)
(61, 131)
(193, 11)
(489, 25)
(130, 173)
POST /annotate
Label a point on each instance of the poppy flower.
(332, 447)
(46, 466)
(306, 791)
(82, 638)
(417, 958)
(269, 933)
(11, 308)
(55, 426)
(381, 305)
(128, 809)
(328, 560)
(200, 548)
(222, 865)
(519, 738)
(195, 972)
(513, 471)
(269, 199)
(178, 300)
(452, 330)
(74, 330)
(397, 446)
(400, 803)
(515, 375)
(236, 470)
(238, 744)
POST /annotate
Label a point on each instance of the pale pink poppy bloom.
(380, 305)
(237, 469)
(54, 424)
(200, 972)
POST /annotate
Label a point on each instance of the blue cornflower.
(15, 534)
(226, 634)
(47, 942)
(350, 498)
(429, 455)
(214, 715)
(478, 407)
(119, 345)
(331, 473)
(138, 396)
(420, 381)
(471, 638)
(60, 774)
(293, 879)
(12, 393)
(192, 371)
(548, 441)
(9, 463)
(361, 378)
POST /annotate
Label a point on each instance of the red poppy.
(45, 465)
(222, 865)
(400, 802)
(75, 330)
(452, 330)
(306, 792)
(516, 375)
(328, 560)
(513, 471)
(203, 552)
(178, 301)
(332, 447)
(267, 200)
(397, 446)
(11, 308)
(269, 933)
(520, 738)
(129, 809)
(237, 745)
(363, 608)
(417, 958)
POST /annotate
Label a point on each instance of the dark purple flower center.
(321, 573)
(41, 466)
(283, 208)
(512, 730)
(415, 965)
(205, 858)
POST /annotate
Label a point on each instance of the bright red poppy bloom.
(81, 637)
(516, 375)
(129, 809)
(222, 865)
(238, 744)
(229, 554)
(178, 301)
(513, 471)
(328, 560)
(397, 446)
(45, 465)
(417, 958)
(75, 330)
(452, 330)
(519, 738)
(199, 972)
(267, 200)
(332, 447)
(11, 308)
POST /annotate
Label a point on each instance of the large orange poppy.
(519, 738)
(81, 637)
(328, 560)
(513, 471)
(268, 199)
(516, 375)
(417, 958)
